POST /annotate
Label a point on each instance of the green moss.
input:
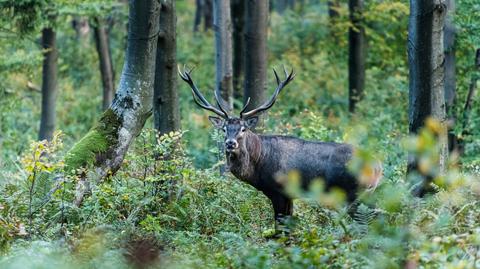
(95, 143)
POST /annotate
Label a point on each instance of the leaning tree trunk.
(356, 54)
(255, 52)
(49, 84)
(166, 111)
(105, 62)
(223, 51)
(427, 75)
(238, 21)
(101, 151)
(450, 70)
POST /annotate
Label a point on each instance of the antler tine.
(199, 99)
(245, 107)
(268, 104)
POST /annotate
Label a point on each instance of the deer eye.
(224, 129)
(242, 129)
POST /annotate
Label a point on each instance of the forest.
(239, 134)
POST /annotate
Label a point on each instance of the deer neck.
(242, 164)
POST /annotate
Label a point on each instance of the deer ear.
(216, 121)
(251, 122)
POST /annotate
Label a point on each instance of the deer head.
(235, 128)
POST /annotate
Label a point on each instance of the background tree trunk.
(450, 71)
(49, 84)
(356, 54)
(199, 10)
(100, 153)
(427, 74)
(223, 51)
(255, 52)
(105, 61)
(238, 20)
(166, 111)
(208, 14)
(280, 6)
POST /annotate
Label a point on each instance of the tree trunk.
(427, 74)
(223, 51)
(166, 111)
(238, 20)
(105, 61)
(49, 84)
(450, 71)
(100, 152)
(200, 6)
(255, 52)
(468, 103)
(356, 54)
(208, 14)
(281, 6)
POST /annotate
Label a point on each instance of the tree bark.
(208, 15)
(450, 70)
(105, 62)
(166, 111)
(100, 153)
(468, 103)
(356, 54)
(49, 84)
(255, 52)
(238, 20)
(199, 10)
(281, 6)
(223, 51)
(426, 63)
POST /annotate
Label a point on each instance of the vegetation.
(169, 207)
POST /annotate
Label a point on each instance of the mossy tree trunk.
(101, 152)
(166, 111)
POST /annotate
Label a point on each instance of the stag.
(261, 159)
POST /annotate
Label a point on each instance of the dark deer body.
(264, 159)
(261, 159)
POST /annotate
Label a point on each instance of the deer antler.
(199, 98)
(268, 104)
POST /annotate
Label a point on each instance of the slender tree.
(208, 15)
(223, 51)
(49, 84)
(105, 61)
(166, 111)
(100, 153)
(199, 7)
(255, 52)
(238, 21)
(450, 70)
(356, 54)
(426, 59)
